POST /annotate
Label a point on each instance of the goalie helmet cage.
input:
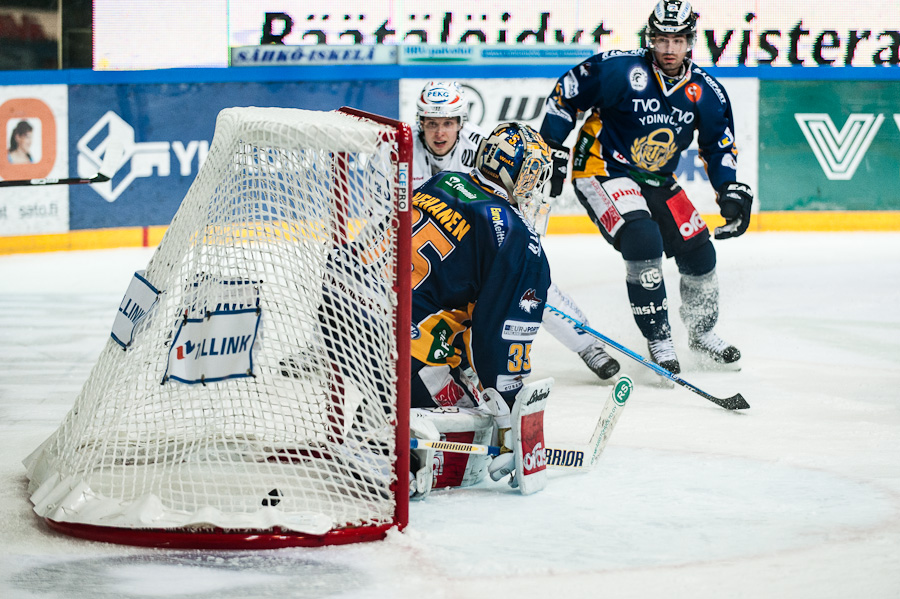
(296, 232)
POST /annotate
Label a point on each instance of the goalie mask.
(515, 157)
(442, 100)
(672, 17)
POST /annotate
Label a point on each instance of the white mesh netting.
(289, 220)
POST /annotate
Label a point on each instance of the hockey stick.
(735, 402)
(111, 158)
(567, 456)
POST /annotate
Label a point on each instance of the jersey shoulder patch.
(460, 187)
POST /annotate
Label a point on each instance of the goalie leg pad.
(527, 420)
(461, 425)
(528, 459)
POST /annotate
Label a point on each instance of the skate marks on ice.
(189, 574)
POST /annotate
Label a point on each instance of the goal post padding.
(263, 399)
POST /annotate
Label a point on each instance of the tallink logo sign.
(140, 159)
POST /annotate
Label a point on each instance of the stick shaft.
(735, 402)
(40, 182)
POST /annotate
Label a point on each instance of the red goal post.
(259, 398)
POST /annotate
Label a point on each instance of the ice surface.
(797, 497)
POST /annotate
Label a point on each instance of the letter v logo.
(839, 152)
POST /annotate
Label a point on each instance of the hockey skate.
(600, 362)
(662, 352)
(710, 345)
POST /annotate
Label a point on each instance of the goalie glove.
(735, 200)
(560, 155)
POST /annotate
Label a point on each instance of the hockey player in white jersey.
(447, 141)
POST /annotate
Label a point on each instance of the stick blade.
(735, 402)
(112, 160)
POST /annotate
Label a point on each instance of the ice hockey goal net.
(255, 389)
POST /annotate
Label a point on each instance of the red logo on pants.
(686, 217)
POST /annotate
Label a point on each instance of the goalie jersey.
(479, 282)
(640, 120)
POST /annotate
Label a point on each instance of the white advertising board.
(44, 110)
(170, 33)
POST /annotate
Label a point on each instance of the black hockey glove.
(735, 200)
(560, 155)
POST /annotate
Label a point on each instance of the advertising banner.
(830, 145)
(274, 55)
(471, 54)
(494, 101)
(34, 125)
(812, 33)
(167, 130)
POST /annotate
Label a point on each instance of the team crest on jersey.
(654, 151)
(414, 332)
(530, 301)
(638, 79)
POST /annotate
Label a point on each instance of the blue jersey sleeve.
(509, 310)
(715, 133)
(577, 91)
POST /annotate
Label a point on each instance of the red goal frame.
(217, 538)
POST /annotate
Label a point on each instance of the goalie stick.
(111, 159)
(735, 402)
(565, 456)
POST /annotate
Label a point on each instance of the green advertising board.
(829, 145)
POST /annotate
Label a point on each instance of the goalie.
(479, 284)
(448, 141)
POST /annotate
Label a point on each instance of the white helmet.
(442, 99)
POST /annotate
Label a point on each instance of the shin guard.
(647, 292)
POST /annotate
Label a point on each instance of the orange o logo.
(693, 92)
(41, 124)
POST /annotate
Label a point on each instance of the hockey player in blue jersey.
(479, 284)
(480, 276)
(644, 107)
